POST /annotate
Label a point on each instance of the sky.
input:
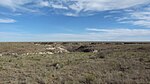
(74, 20)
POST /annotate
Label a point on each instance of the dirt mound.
(85, 49)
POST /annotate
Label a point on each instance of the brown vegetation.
(75, 63)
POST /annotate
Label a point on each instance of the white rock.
(50, 53)
(27, 53)
(95, 51)
(50, 48)
(14, 53)
(37, 44)
(40, 53)
(49, 45)
(36, 53)
(1, 54)
(61, 50)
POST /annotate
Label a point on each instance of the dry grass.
(113, 64)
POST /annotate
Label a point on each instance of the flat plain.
(75, 63)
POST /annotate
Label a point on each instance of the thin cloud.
(139, 17)
(91, 35)
(7, 20)
(76, 6)
(121, 31)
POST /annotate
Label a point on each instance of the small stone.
(95, 51)
(50, 53)
(1, 54)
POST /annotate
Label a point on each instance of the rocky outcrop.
(56, 49)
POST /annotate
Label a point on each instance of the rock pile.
(56, 49)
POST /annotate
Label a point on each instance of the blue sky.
(74, 20)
